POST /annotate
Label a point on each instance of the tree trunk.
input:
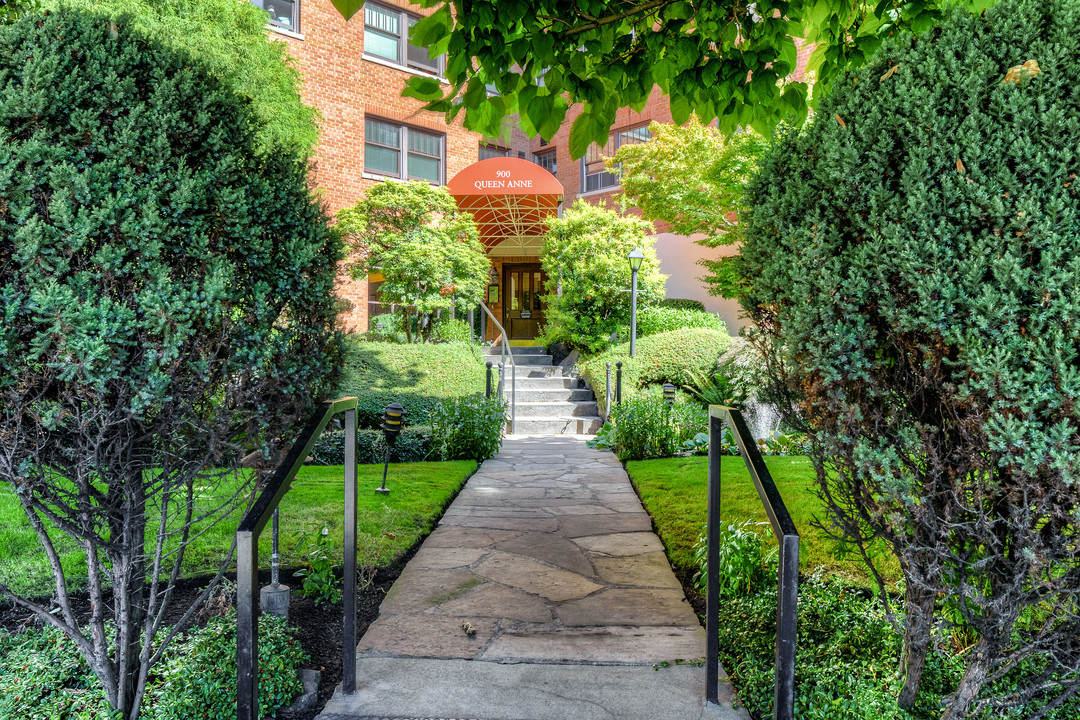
(405, 316)
(919, 620)
(960, 702)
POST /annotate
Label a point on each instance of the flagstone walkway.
(546, 558)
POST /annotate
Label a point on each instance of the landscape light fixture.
(669, 393)
(635, 257)
(393, 420)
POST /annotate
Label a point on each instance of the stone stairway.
(548, 402)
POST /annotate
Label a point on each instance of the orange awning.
(509, 198)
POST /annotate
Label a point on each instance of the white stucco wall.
(678, 256)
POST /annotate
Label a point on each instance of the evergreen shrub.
(412, 445)
(416, 375)
(656, 320)
(676, 356)
(912, 254)
(682, 304)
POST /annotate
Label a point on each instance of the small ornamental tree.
(428, 252)
(588, 291)
(166, 295)
(913, 258)
(693, 177)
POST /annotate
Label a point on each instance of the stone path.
(549, 556)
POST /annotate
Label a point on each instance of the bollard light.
(669, 393)
(393, 421)
(635, 257)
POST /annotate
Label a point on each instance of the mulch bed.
(319, 627)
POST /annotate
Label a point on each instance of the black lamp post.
(393, 420)
(669, 393)
(635, 257)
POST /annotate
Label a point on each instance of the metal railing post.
(501, 386)
(783, 528)
(247, 553)
(348, 643)
(247, 626)
(487, 393)
(618, 382)
(712, 555)
(786, 628)
(607, 393)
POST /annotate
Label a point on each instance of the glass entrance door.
(523, 307)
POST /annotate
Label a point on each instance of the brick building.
(353, 72)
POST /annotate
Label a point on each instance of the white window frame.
(405, 21)
(273, 21)
(538, 156)
(607, 180)
(403, 152)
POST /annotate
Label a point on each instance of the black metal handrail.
(247, 558)
(788, 573)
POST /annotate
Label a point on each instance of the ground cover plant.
(919, 281)
(44, 677)
(415, 375)
(166, 293)
(419, 492)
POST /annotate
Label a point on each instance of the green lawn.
(388, 524)
(674, 492)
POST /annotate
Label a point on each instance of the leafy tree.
(588, 292)
(912, 256)
(428, 253)
(230, 39)
(692, 177)
(166, 295)
(721, 59)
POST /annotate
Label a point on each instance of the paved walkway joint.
(542, 594)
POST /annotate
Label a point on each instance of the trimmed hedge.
(413, 445)
(415, 375)
(675, 356)
(683, 304)
(656, 320)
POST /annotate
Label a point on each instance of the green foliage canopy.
(230, 39)
(428, 253)
(917, 270)
(693, 177)
(588, 293)
(719, 59)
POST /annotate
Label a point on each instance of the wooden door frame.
(507, 268)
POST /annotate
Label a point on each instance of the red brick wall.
(345, 87)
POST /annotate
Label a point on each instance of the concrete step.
(532, 360)
(526, 350)
(556, 409)
(547, 383)
(560, 395)
(583, 425)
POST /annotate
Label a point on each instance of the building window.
(546, 160)
(386, 36)
(283, 13)
(425, 153)
(490, 151)
(594, 175)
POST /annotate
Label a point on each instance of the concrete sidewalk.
(543, 594)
